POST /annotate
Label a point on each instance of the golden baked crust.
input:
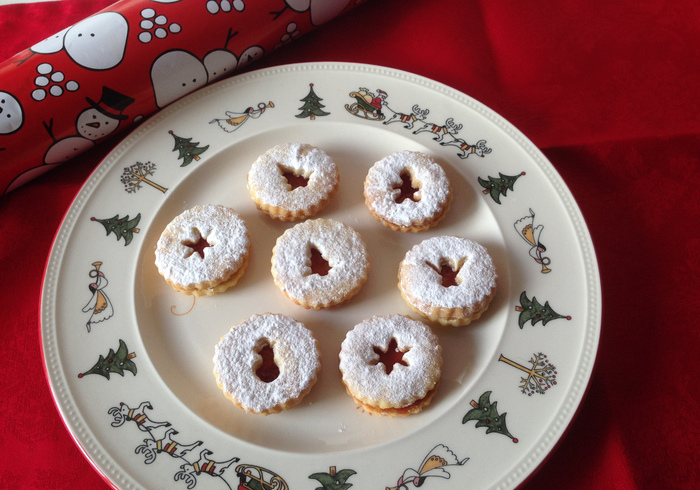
(340, 246)
(204, 250)
(238, 357)
(422, 285)
(391, 365)
(407, 191)
(270, 177)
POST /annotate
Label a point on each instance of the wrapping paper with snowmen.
(106, 73)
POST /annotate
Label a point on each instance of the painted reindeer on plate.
(151, 447)
(450, 127)
(408, 120)
(465, 149)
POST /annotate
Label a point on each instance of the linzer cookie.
(204, 250)
(320, 263)
(407, 191)
(293, 181)
(391, 365)
(267, 363)
(448, 279)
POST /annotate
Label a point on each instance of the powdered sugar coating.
(368, 381)
(339, 244)
(382, 187)
(223, 229)
(296, 355)
(421, 283)
(269, 187)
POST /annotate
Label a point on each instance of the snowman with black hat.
(98, 121)
(103, 117)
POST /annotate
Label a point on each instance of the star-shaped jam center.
(197, 246)
(390, 357)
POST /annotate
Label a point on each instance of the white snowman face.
(175, 74)
(67, 148)
(93, 125)
(11, 114)
(51, 44)
(321, 10)
(249, 55)
(98, 42)
(324, 10)
(220, 63)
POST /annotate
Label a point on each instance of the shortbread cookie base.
(409, 386)
(281, 407)
(274, 196)
(449, 317)
(417, 226)
(236, 360)
(411, 409)
(458, 305)
(339, 244)
(202, 289)
(223, 260)
(382, 188)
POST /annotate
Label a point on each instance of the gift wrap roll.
(108, 72)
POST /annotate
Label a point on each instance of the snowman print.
(176, 73)
(11, 113)
(97, 121)
(95, 43)
(321, 11)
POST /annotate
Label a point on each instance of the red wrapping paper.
(107, 72)
(607, 90)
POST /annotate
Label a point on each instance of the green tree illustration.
(486, 415)
(121, 227)
(312, 105)
(532, 311)
(188, 149)
(499, 186)
(114, 362)
(333, 480)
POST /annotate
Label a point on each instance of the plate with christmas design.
(129, 359)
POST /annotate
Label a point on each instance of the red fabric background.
(608, 90)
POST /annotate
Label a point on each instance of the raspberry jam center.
(198, 246)
(390, 357)
(448, 271)
(406, 188)
(319, 265)
(267, 371)
(294, 179)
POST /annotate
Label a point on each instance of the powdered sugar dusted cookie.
(204, 250)
(391, 365)
(448, 279)
(267, 363)
(293, 181)
(320, 263)
(407, 191)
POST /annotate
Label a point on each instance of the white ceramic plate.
(163, 421)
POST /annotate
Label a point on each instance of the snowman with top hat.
(99, 120)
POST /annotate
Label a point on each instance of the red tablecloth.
(610, 91)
